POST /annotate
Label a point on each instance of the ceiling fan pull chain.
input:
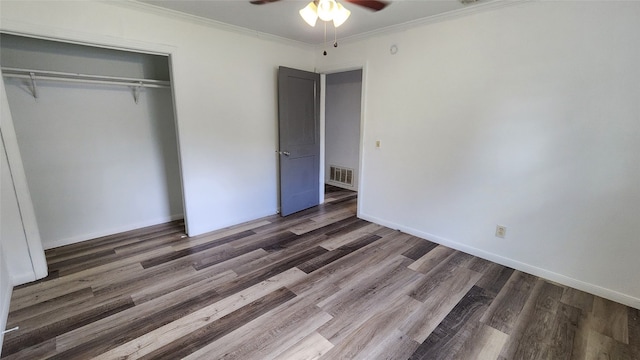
(335, 37)
(325, 39)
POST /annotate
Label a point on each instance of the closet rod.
(82, 78)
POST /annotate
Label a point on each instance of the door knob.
(285, 153)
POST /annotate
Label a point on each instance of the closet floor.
(319, 284)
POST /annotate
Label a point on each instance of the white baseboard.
(534, 270)
(128, 227)
(20, 279)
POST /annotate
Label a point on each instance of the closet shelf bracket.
(136, 91)
(34, 89)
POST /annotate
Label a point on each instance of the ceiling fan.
(369, 4)
(329, 10)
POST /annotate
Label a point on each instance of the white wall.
(526, 116)
(224, 85)
(342, 123)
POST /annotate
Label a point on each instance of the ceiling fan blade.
(260, 2)
(374, 5)
(370, 4)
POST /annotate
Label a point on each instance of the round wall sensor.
(393, 50)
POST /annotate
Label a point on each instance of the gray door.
(299, 127)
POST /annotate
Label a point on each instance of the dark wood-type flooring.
(320, 284)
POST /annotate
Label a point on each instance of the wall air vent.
(341, 175)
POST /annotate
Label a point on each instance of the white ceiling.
(282, 19)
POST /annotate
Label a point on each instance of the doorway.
(343, 114)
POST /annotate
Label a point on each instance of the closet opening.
(97, 137)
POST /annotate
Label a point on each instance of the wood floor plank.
(320, 283)
(321, 221)
(52, 289)
(135, 246)
(395, 346)
(432, 259)
(73, 310)
(634, 329)
(456, 328)
(312, 347)
(353, 306)
(170, 239)
(164, 335)
(112, 241)
(333, 255)
(264, 241)
(354, 293)
(214, 236)
(443, 273)
(176, 254)
(336, 242)
(578, 299)
(83, 259)
(494, 278)
(203, 279)
(564, 332)
(288, 250)
(127, 325)
(504, 310)
(252, 278)
(33, 335)
(43, 350)
(610, 319)
(600, 346)
(532, 332)
(47, 306)
(134, 281)
(232, 263)
(420, 249)
(484, 342)
(438, 302)
(354, 265)
(200, 338)
(289, 324)
(379, 329)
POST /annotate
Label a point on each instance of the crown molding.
(199, 20)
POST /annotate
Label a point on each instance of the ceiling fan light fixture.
(326, 9)
(310, 14)
(340, 15)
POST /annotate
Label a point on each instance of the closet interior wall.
(96, 162)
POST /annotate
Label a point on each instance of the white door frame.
(23, 196)
(324, 71)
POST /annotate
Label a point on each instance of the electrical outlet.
(378, 144)
(501, 231)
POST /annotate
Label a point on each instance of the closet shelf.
(33, 75)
